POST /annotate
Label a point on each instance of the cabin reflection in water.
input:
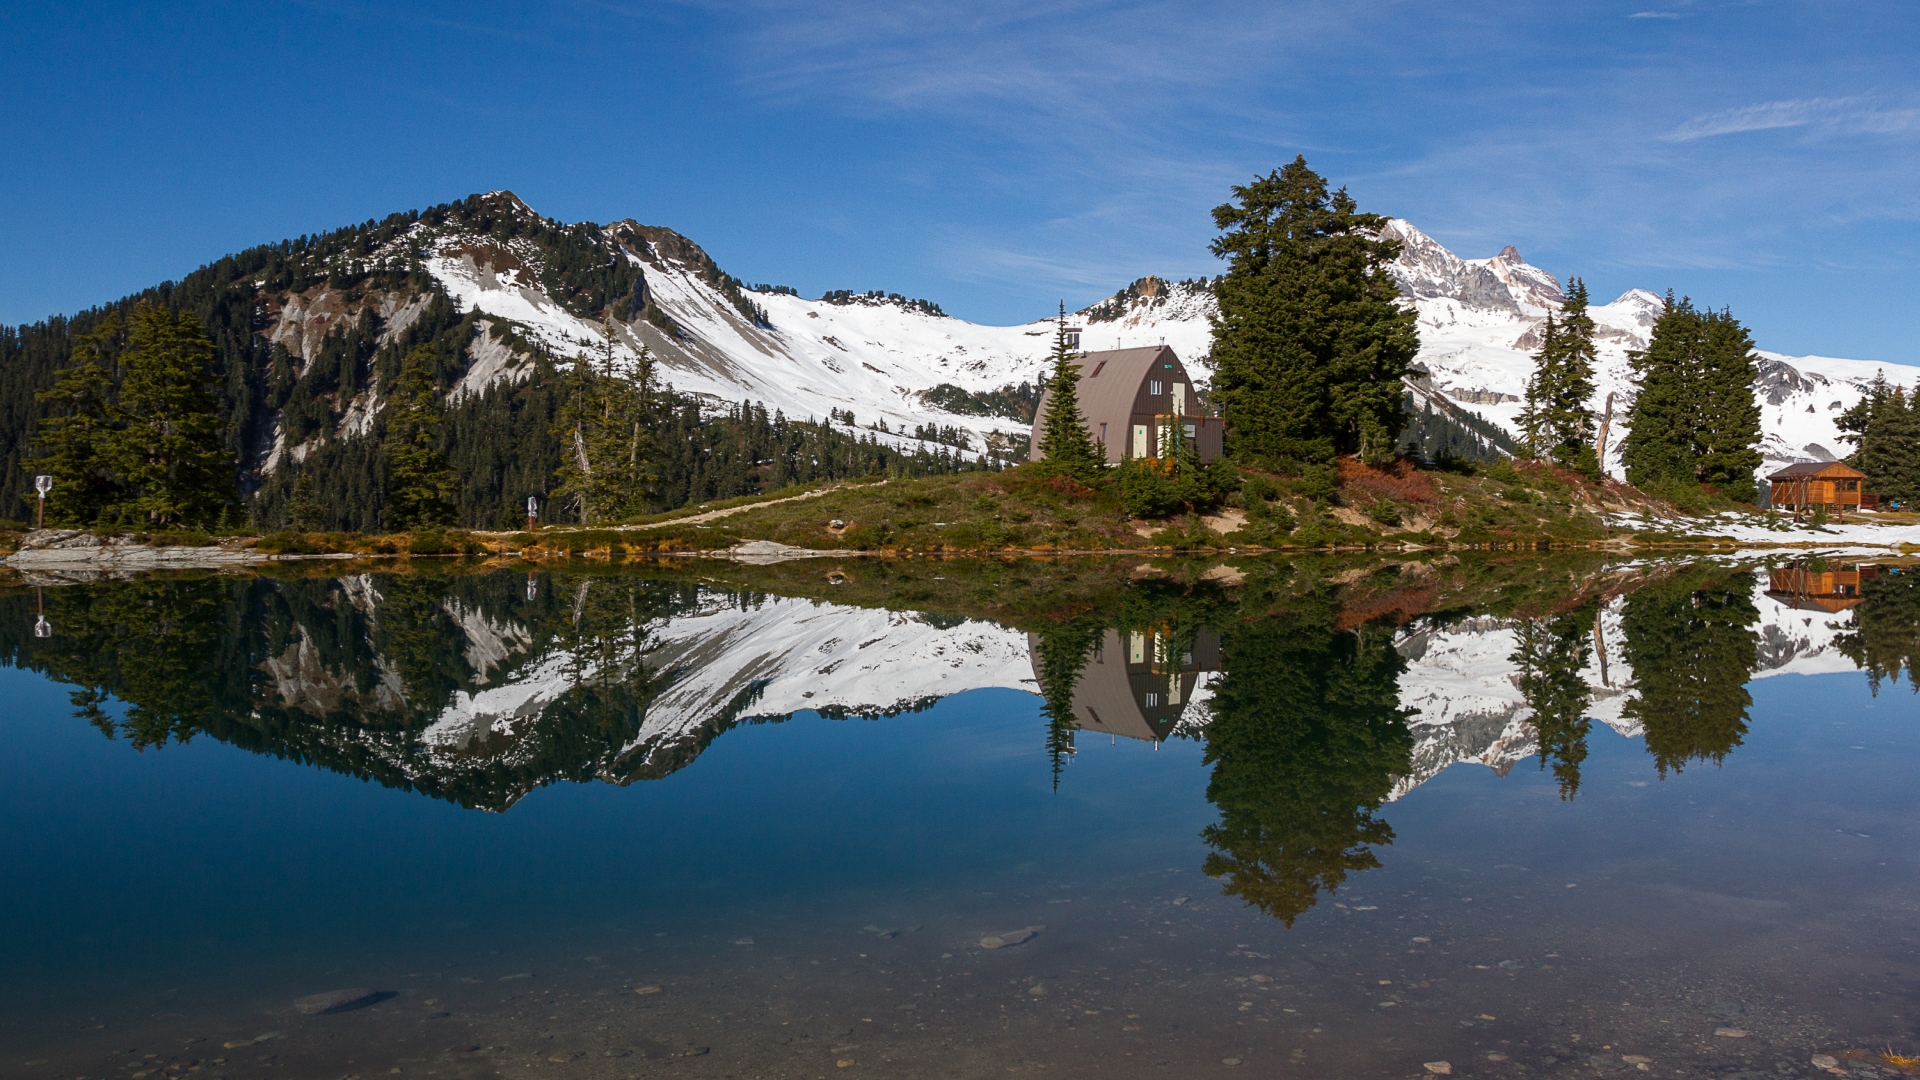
(1138, 683)
(1834, 587)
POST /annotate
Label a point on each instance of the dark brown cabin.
(1818, 483)
(1130, 398)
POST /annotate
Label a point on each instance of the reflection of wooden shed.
(1138, 684)
(1130, 398)
(1818, 483)
(1835, 588)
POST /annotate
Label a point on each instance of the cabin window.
(1151, 701)
(1192, 432)
(1154, 387)
(1103, 434)
(1853, 485)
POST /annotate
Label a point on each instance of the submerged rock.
(334, 1001)
(1007, 938)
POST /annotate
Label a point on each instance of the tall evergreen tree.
(608, 456)
(1884, 428)
(1727, 434)
(1311, 342)
(171, 451)
(1557, 421)
(1064, 440)
(1659, 445)
(1694, 418)
(420, 484)
(75, 441)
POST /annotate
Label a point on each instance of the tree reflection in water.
(411, 679)
(1306, 740)
(1552, 655)
(348, 674)
(1692, 647)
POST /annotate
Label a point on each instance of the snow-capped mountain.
(897, 364)
(1480, 320)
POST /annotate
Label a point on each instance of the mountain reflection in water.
(1319, 696)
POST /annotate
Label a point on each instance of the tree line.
(1312, 342)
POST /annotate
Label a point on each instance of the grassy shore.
(1027, 511)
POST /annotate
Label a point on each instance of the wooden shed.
(1130, 398)
(1818, 483)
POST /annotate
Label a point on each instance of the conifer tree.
(1659, 445)
(75, 443)
(1884, 427)
(1728, 430)
(1694, 419)
(170, 451)
(1064, 441)
(607, 469)
(1535, 430)
(420, 484)
(1556, 421)
(1310, 343)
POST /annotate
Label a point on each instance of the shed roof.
(1109, 383)
(1806, 470)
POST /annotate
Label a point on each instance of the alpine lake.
(1463, 814)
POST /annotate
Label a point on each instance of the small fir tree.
(75, 442)
(1556, 422)
(420, 484)
(1535, 430)
(1064, 441)
(1311, 341)
(170, 451)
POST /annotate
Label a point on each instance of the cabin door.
(1139, 440)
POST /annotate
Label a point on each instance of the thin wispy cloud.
(1859, 115)
(1656, 15)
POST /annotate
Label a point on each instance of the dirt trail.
(715, 515)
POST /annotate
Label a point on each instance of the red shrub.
(1403, 484)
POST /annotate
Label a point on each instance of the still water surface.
(597, 825)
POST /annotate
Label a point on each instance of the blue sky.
(991, 156)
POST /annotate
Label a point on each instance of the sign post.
(42, 484)
(533, 512)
